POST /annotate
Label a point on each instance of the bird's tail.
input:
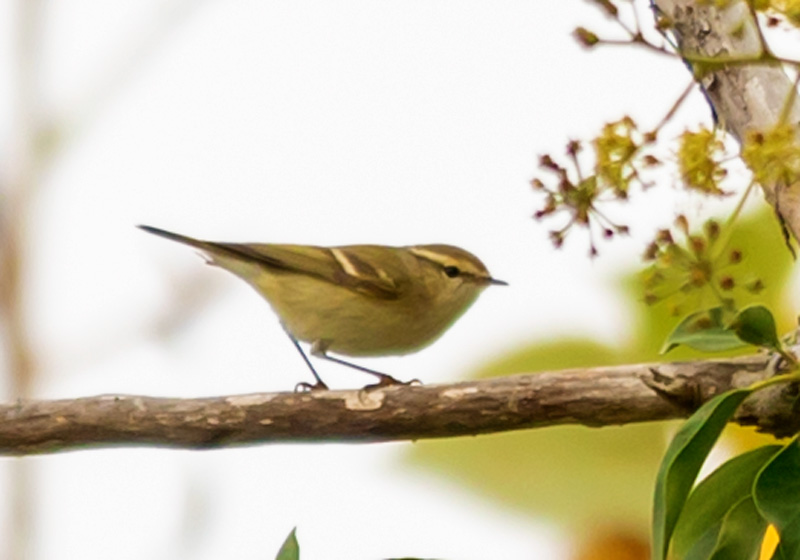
(225, 255)
(197, 243)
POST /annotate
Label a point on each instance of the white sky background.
(326, 122)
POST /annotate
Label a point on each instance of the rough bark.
(592, 397)
(745, 97)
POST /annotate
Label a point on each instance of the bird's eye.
(451, 271)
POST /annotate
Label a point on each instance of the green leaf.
(777, 496)
(755, 325)
(741, 534)
(685, 455)
(705, 331)
(701, 527)
(290, 550)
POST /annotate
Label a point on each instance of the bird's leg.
(319, 350)
(303, 386)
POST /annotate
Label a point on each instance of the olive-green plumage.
(357, 300)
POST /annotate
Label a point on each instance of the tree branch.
(745, 97)
(592, 397)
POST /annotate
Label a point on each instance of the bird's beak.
(496, 282)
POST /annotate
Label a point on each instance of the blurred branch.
(34, 142)
(17, 194)
(745, 97)
(592, 397)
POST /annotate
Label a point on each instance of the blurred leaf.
(755, 325)
(700, 524)
(685, 456)
(705, 331)
(570, 472)
(777, 496)
(290, 550)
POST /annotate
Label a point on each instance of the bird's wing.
(339, 265)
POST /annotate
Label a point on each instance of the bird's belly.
(363, 329)
(348, 322)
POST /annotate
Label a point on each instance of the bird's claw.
(304, 387)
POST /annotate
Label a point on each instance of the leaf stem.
(783, 378)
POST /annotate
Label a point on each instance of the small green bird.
(355, 300)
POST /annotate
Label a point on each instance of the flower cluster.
(774, 155)
(699, 156)
(699, 269)
(618, 163)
